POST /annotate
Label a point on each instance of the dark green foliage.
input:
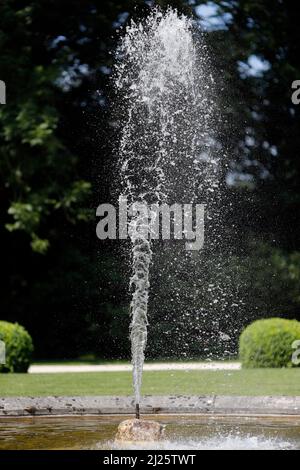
(57, 162)
(269, 343)
(18, 347)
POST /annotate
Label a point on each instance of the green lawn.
(245, 382)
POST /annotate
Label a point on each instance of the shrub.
(18, 345)
(268, 343)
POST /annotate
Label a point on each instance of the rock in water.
(135, 430)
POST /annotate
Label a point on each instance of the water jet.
(166, 152)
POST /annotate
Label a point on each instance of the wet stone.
(136, 430)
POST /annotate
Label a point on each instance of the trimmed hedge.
(18, 345)
(268, 343)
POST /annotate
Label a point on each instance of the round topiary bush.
(18, 347)
(268, 343)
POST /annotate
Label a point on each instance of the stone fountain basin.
(191, 422)
(182, 432)
(177, 404)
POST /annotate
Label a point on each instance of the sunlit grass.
(245, 382)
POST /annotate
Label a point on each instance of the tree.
(57, 137)
(54, 130)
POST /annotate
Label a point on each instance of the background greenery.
(18, 347)
(255, 382)
(267, 343)
(57, 162)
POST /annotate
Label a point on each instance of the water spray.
(165, 156)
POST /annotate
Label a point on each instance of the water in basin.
(183, 432)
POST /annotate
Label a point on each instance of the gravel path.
(38, 369)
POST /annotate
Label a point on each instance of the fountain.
(166, 154)
(169, 153)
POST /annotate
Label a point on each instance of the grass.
(254, 382)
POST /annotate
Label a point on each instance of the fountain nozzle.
(137, 411)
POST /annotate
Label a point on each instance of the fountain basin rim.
(151, 405)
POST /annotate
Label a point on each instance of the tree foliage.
(57, 136)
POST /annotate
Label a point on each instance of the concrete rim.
(150, 405)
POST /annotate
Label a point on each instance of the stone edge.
(180, 404)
